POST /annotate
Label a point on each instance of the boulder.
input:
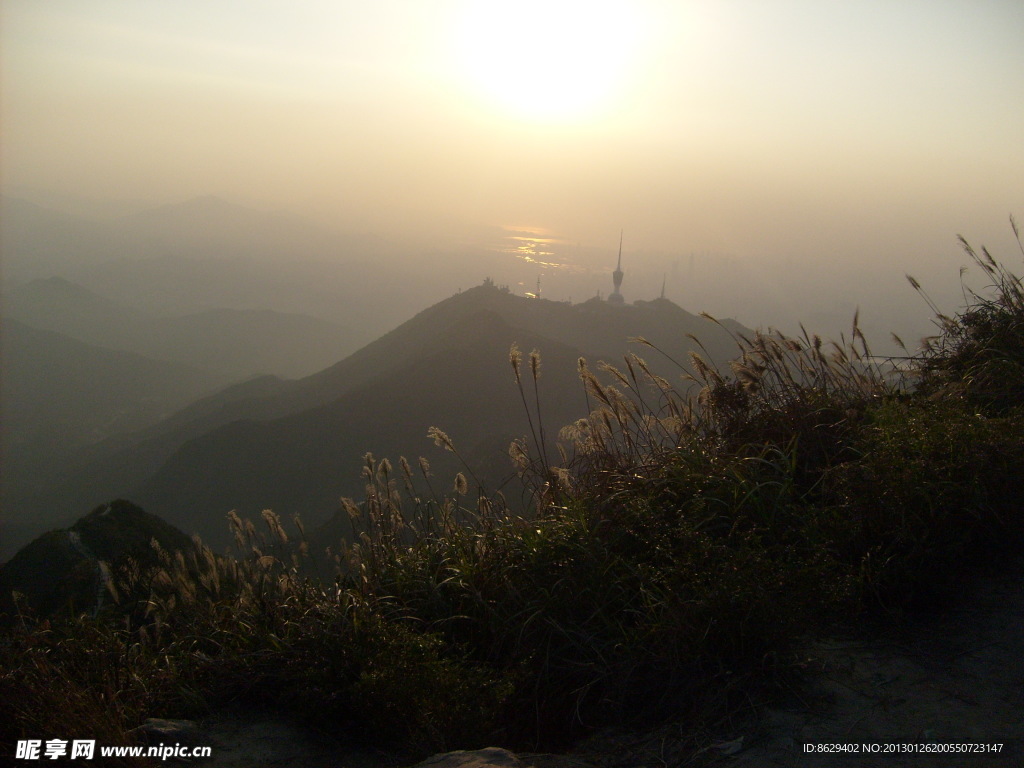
(491, 757)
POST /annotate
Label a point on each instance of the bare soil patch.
(954, 676)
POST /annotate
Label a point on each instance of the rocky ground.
(949, 678)
(952, 677)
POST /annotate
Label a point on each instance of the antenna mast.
(616, 295)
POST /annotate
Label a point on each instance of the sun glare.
(548, 61)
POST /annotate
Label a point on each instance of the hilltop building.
(616, 296)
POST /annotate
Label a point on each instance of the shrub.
(979, 354)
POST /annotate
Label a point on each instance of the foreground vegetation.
(678, 546)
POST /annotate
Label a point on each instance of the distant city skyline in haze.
(792, 135)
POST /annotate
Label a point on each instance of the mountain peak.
(61, 569)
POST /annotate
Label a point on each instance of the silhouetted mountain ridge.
(297, 445)
(67, 569)
(304, 461)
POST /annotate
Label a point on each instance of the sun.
(548, 60)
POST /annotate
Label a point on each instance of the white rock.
(491, 757)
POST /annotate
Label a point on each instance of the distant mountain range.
(296, 446)
(208, 254)
(59, 396)
(111, 326)
(38, 242)
(230, 343)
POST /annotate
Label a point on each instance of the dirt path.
(952, 678)
(956, 677)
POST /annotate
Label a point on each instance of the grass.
(686, 539)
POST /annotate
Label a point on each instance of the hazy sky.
(861, 134)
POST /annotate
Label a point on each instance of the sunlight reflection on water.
(535, 245)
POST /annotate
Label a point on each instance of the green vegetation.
(687, 539)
